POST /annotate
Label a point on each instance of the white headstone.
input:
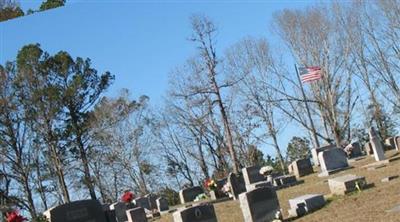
(376, 145)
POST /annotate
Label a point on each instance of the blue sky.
(139, 42)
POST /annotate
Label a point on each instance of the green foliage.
(298, 148)
(49, 4)
(171, 195)
(9, 10)
(274, 163)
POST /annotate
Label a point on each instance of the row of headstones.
(390, 143)
(92, 210)
(249, 179)
(259, 204)
(332, 159)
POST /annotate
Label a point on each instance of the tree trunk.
(228, 133)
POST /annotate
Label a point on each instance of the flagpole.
(314, 133)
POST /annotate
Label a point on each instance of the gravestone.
(305, 204)
(345, 184)
(252, 175)
(290, 168)
(162, 204)
(376, 145)
(120, 209)
(389, 178)
(285, 180)
(368, 148)
(355, 150)
(390, 143)
(237, 184)
(77, 211)
(152, 201)
(332, 160)
(109, 214)
(302, 167)
(189, 194)
(259, 205)
(136, 215)
(317, 150)
(142, 202)
(253, 186)
(397, 142)
(200, 213)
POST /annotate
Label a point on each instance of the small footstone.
(376, 167)
(345, 184)
(389, 178)
(395, 209)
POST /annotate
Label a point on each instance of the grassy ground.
(368, 205)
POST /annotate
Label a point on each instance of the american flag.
(309, 74)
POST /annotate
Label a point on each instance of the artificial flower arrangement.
(210, 184)
(14, 216)
(200, 197)
(227, 189)
(127, 197)
(266, 170)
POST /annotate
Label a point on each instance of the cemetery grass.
(368, 205)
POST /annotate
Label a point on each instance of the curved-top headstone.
(332, 160)
(317, 150)
(77, 211)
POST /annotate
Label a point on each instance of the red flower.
(210, 184)
(15, 217)
(127, 197)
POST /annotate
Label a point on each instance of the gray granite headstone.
(152, 201)
(109, 214)
(77, 211)
(376, 145)
(136, 215)
(317, 150)
(309, 202)
(189, 194)
(162, 204)
(332, 160)
(356, 149)
(285, 180)
(200, 213)
(302, 167)
(142, 202)
(237, 184)
(120, 209)
(346, 183)
(252, 175)
(259, 205)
